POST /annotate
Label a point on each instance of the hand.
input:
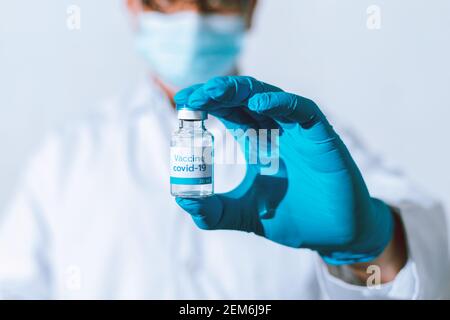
(316, 200)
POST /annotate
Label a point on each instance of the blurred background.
(391, 84)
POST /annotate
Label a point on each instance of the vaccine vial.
(191, 156)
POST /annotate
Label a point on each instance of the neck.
(168, 91)
(191, 124)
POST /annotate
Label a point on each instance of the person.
(93, 217)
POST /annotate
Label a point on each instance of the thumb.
(206, 212)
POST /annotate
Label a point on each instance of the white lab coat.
(93, 218)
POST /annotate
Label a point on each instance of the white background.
(392, 84)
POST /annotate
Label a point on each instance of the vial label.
(191, 165)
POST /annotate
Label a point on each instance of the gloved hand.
(316, 200)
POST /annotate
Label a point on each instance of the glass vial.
(191, 156)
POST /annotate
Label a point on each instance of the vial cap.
(186, 113)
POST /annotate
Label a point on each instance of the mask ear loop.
(247, 12)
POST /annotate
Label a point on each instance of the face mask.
(187, 48)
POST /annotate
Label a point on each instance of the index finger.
(226, 92)
(230, 117)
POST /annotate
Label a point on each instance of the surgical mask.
(187, 48)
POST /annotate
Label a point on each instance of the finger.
(219, 212)
(290, 108)
(286, 106)
(229, 117)
(182, 96)
(213, 97)
(230, 91)
(206, 212)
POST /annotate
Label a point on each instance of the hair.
(204, 5)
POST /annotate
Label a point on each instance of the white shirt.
(93, 219)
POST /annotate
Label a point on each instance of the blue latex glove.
(317, 199)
